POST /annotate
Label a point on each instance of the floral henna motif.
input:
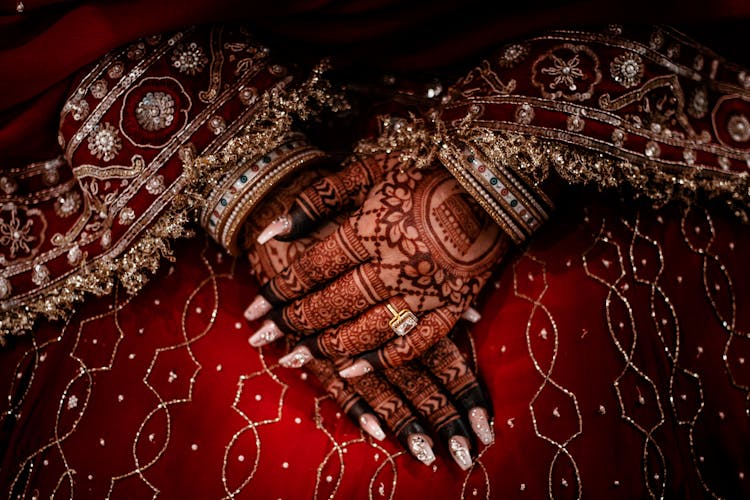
(423, 238)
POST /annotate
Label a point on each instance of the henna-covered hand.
(417, 242)
(444, 408)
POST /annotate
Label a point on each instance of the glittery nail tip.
(459, 447)
(472, 315)
(278, 227)
(265, 334)
(359, 368)
(369, 424)
(259, 307)
(421, 449)
(297, 358)
(481, 425)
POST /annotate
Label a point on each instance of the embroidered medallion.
(189, 59)
(627, 70)
(155, 111)
(104, 142)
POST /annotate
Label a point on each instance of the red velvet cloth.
(162, 394)
(593, 393)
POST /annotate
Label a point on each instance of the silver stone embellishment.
(40, 274)
(627, 70)
(5, 288)
(155, 111)
(67, 204)
(104, 142)
(189, 58)
(652, 150)
(512, 55)
(575, 123)
(698, 103)
(524, 114)
(155, 185)
(739, 128)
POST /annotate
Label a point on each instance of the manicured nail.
(359, 368)
(481, 424)
(472, 315)
(280, 226)
(459, 447)
(266, 334)
(297, 358)
(419, 446)
(369, 424)
(259, 307)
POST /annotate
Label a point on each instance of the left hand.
(419, 242)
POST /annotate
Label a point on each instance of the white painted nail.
(459, 447)
(359, 368)
(369, 424)
(481, 425)
(259, 307)
(419, 446)
(266, 334)
(279, 226)
(297, 358)
(471, 315)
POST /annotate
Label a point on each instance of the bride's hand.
(445, 406)
(418, 243)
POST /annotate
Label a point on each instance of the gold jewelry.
(403, 321)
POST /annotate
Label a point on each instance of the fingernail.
(359, 368)
(472, 315)
(297, 358)
(281, 225)
(266, 334)
(459, 447)
(258, 308)
(420, 448)
(369, 424)
(481, 425)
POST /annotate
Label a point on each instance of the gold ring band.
(403, 321)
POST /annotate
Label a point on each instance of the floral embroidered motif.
(217, 125)
(116, 70)
(104, 142)
(524, 114)
(79, 109)
(698, 106)
(189, 59)
(155, 185)
(15, 234)
(512, 55)
(40, 274)
(575, 123)
(67, 204)
(627, 70)
(568, 71)
(136, 51)
(565, 72)
(99, 88)
(8, 185)
(155, 111)
(127, 215)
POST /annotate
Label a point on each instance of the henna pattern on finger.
(364, 333)
(445, 361)
(320, 263)
(386, 402)
(343, 299)
(427, 398)
(431, 328)
(346, 398)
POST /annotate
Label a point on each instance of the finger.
(396, 414)
(267, 333)
(349, 296)
(431, 328)
(448, 365)
(325, 260)
(431, 402)
(355, 407)
(366, 332)
(329, 195)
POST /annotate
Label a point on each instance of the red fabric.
(163, 394)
